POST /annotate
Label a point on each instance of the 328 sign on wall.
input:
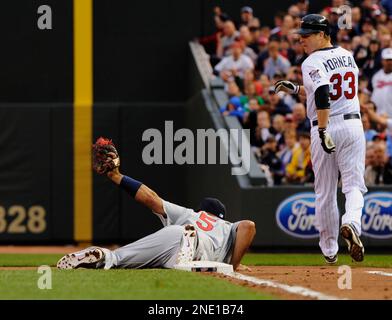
(17, 219)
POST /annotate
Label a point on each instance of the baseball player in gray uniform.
(330, 83)
(187, 235)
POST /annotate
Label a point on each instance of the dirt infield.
(323, 280)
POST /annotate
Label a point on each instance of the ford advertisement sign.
(377, 215)
(296, 216)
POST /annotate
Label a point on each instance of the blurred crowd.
(250, 57)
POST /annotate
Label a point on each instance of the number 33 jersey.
(216, 237)
(335, 67)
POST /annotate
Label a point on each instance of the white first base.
(205, 266)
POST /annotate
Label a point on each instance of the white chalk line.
(381, 273)
(291, 289)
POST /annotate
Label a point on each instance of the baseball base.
(205, 266)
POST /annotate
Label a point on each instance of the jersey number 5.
(336, 81)
(206, 223)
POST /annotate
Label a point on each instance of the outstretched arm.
(245, 233)
(141, 192)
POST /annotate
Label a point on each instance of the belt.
(347, 116)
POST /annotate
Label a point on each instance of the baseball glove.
(105, 156)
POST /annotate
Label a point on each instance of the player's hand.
(242, 267)
(326, 141)
(286, 86)
(105, 156)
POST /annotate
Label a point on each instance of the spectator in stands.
(299, 117)
(363, 85)
(252, 107)
(299, 53)
(286, 50)
(263, 54)
(247, 50)
(291, 143)
(210, 42)
(368, 28)
(267, 156)
(355, 22)
(230, 34)
(265, 31)
(367, 8)
(275, 63)
(382, 85)
(382, 121)
(345, 43)
(289, 124)
(278, 130)
(234, 108)
(249, 94)
(278, 22)
(233, 90)
(333, 18)
(296, 169)
(378, 165)
(371, 58)
(254, 43)
(288, 25)
(367, 128)
(276, 103)
(265, 82)
(235, 65)
(294, 11)
(387, 5)
(303, 6)
(247, 17)
(259, 134)
(385, 40)
(249, 77)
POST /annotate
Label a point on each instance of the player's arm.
(138, 190)
(321, 98)
(374, 116)
(106, 160)
(246, 231)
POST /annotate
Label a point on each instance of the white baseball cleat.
(91, 258)
(188, 244)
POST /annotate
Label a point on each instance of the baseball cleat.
(91, 258)
(355, 246)
(188, 243)
(331, 259)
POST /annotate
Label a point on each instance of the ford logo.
(296, 216)
(377, 215)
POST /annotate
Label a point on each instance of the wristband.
(130, 185)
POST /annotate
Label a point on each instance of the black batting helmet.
(214, 206)
(314, 23)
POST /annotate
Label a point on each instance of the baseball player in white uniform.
(187, 235)
(330, 82)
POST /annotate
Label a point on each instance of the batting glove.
(326, 140)
(286, 86)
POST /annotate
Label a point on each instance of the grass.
(146, 284)
(121, 284)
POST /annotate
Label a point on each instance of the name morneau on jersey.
(339, 62)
